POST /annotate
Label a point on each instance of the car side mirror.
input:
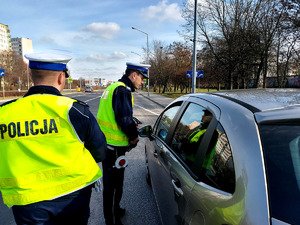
(145, 131)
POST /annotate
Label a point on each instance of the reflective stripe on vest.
(104, 124)
(31, 171)
(194, 137)
(106, 118)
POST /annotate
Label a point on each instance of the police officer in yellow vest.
(49, 146)
(115, 118)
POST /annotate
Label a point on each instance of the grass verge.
(177, 94)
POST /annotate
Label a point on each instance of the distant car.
(88, 89)
(228, 157)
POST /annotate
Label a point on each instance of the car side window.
(218, 166)
(190, 131)
(165, 122)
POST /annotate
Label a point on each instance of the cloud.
(112, 73)
(163, 12)
(103, 30)
(47, 39)
(64, 39)
(203, 4)
(102, 58)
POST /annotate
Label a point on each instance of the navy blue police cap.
(142, 68)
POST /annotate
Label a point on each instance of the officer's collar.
(127, 82)
(43, 89)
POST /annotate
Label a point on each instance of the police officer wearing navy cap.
(49, 148)
(115, 118)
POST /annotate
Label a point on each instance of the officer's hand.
(135, 141)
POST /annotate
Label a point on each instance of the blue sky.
(97, 32)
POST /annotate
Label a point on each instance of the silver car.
(227, 158)
(88, 89)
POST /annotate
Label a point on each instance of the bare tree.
(15, 69)
(169, 65)
(287, 42)
(181, 54)
(222, 25)
(239, 34)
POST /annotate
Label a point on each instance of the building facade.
(22, 46)
(102, 82)
(5, 42)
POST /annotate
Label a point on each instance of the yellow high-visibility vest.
(106, 118)
(194, 137)
(41, 157)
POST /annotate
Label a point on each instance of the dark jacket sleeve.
(88, 130)
(122, 106)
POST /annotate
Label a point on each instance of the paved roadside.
(158, 99)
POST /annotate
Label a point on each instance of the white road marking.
(92, 99)
(76, 96)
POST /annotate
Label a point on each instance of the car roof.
(261, 99)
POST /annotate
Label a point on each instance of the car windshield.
(281, 146)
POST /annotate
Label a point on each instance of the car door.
(157, 156)
(193, 132)
(173, 183)
(211, 200)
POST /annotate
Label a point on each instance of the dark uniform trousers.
(112, 185)
(69, 209)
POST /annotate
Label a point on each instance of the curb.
(152, 100)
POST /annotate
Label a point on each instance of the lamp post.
(147, 55)
(195, 50)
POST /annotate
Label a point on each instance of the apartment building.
(22, 46)
(97, 82)
(5, 42)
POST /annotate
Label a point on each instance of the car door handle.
(155, 154)
(176, 186)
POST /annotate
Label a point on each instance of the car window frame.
(205, 176)
(203, 147)
(171, 130)
(196, 168)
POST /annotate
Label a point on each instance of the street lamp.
(195, 50)
(147, 54)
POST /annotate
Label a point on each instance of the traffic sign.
(70, 80)
(189, 73)
(2, 73)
